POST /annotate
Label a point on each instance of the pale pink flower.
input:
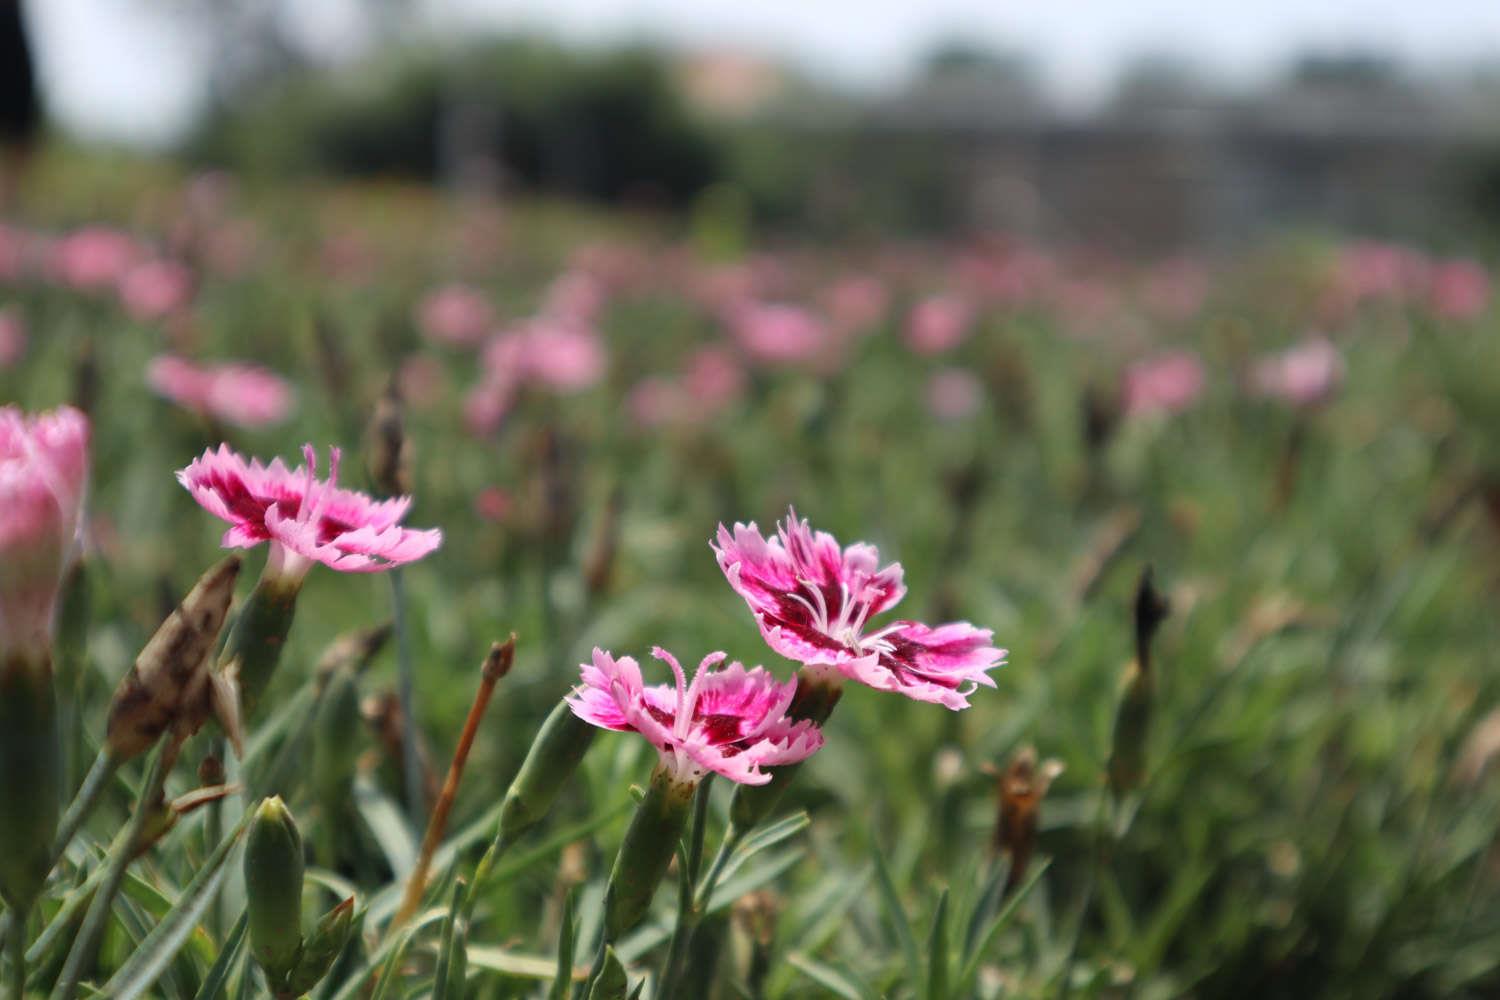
(1460, 289)
(655, 401)
(305, 519)
(155, 289)
(778, 334)
(43, 470)
(856, 303)
(1169, 383)
(494, 504)
(1305, 375)
(556, 354)
(575, 297)
(454, 314)
(730, 721)
(713, 378)
(12, 336)
(954, 394)
(813, 603)
(240, 394)
(93, 258)
(938, 324)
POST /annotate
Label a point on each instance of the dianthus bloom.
(240, 394)
(454, 314)
(938, 324)
(1460, 289)
(305, 519)
(778, 334)
(1305, 375)
(43, 467)
(1166, 384)
(155, 289)
(813, 602)
(731, 721)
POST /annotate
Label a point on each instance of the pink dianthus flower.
(813, 602)
(731, 721)
(305, 519)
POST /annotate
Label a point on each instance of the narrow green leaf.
(359, 979)
(219, 972)
(829, 978)
(445, 951)
(1001, 921)
(937, 952)
(760, 875)
(762, 840)
(388, 826)
(148, 961)
(896, 913)
(564, 978)
(514, 964)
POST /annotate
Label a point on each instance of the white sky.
(134, 69)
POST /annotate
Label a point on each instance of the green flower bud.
(1127, 758)
(337, 733)
(611, 983)
(169, 685)
(646, 852)
(254, 646)
(30, 777)
(554, 755)
(323, 947)
(273, 888)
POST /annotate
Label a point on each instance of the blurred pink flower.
(1169, 383)
(713, 378)
(938, 324)
(954, 394)
(237, 393)
(92, 258)
(305, 519)
(655, 401)
(813, 603)
(421, 380)
(1460, 289)
(778, 334)
(43, 469)
(494, 504)
(1305, 375)
(731, 721)
(454, 314)
(12, 336)
(575, 297)
(558, 355)
(155, 289)
(856, 303)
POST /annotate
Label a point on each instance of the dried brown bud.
(757, 914)
(1020, 788)
(388, 451)
(352, 651)
(501, 658)
(599, 566)
(171, 685)
(1151, 609)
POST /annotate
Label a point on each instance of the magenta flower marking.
(731, 721)
(305, 519)
(814, 601)
(43, 470)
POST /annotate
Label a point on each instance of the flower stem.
(94, 783)
(16, 942)
(411, 765)
(496, 665)
(120, 854)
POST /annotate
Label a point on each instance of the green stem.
(411, 765)
(120, 855)
(94, 783)
(16, 941)
(688, 913)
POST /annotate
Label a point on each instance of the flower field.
(404, 595)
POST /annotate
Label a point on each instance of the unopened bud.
(599, 566)
(336, 741)
(323, 947)
(352, 651)
(387, 449)
(169, 685)
(1021, 787)
(554, 755)
(273, 889)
